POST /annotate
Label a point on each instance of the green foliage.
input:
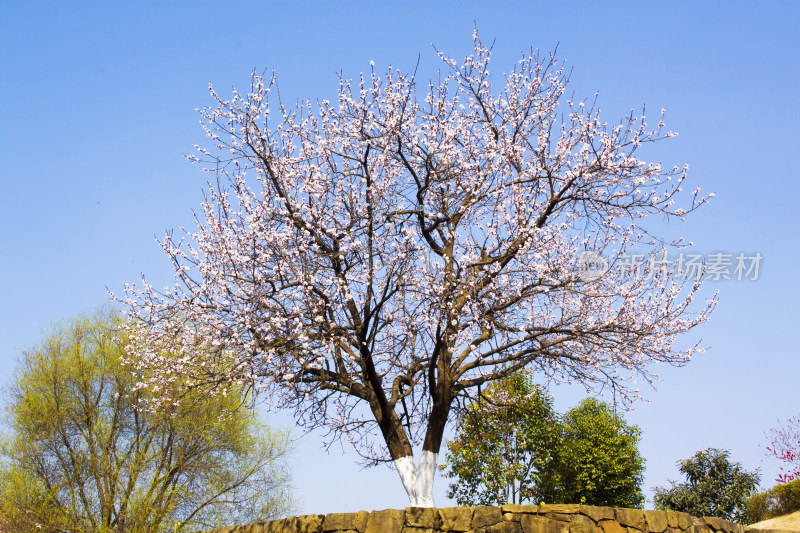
(504, 452)
(82, 457)
(778, 501)
(600, 462)
(714, 486)
(513, 447)
(787, 497)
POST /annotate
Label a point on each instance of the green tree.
(513, 447)
(504, 452)
(600, 462)
(83, 456)
(714, 486)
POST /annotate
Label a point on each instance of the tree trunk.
(418, 480)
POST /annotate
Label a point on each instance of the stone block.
(456, 518)
(597, 513)
(542, 524)
(611, 526)
(425, 517)
(519, 509)
(717, 524)
(270, 527)
(386, 521)
(698, 526)
(486, 515)
(727, 526)
(561, 508)
(344, 521)
(506, 526)
(311, 523)
(411, 529)
(581, 524)
(279, 526)
(656, 521)
(631, 518)
(679, 520)
(256, 527)
(732, 527)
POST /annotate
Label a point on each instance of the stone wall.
(505, 519)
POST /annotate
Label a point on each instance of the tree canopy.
(714, 486)
(370, 262)
(81, 455)
(600, 462)
(507, 446)
(512, 447)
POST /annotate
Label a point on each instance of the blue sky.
(97, 108)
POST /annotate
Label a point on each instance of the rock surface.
(506, 519)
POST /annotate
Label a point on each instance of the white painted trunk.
(418, 481)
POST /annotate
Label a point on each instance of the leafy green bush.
(758, 508)
(600, 462)
(788, 497)
(714, 486)
(778, 501)
(513, 447)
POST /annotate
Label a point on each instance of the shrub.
(778, 501)
(714, 486)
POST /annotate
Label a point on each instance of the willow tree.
(80, 455)
(372, 261)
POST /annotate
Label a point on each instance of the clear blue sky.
(97, 107)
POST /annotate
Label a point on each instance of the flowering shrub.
(785, 446)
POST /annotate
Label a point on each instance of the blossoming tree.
(373, 261)
(785, 446)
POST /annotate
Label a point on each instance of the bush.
(599, 458)
(787, 497)
(778, 501)
(714, 486)
(514, 448)
(758, 508)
